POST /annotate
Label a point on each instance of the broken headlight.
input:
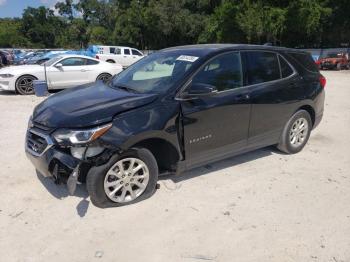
(83, 136)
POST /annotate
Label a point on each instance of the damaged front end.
(67, 155)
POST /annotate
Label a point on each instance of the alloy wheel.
(104, 77)
(126, 180)
(298, 132)
(25, 85)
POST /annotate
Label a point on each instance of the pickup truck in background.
(125, 56)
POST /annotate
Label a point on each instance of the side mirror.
(199, 89)
(59, 65)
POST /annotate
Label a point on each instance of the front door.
(216, 126)
(73, 72)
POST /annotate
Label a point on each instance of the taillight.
(97, 57)
(322, 81)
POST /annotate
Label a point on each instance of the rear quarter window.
(286, 70)
(92, 62)
(305, 60)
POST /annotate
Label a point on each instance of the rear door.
(216, 126)
(274, 94)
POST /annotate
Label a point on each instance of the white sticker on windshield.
(187, 58)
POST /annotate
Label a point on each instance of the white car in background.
(122, 55)
(62, 71)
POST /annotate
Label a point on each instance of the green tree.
(251, 20)
(41, 26)
(66, 9)
(10, 34)
(222, 25)
(99, 35)
(305, 22)
(154, 24)
(170, 23)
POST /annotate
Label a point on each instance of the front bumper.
(52, 161)
(328, 65)
(42, 152)
(7, 84)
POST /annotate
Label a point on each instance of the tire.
(110, 61)
(24, 85)
(292, 139)
(98, 178)
(104, 77)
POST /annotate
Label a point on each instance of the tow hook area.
(73, 172)
(73, 180)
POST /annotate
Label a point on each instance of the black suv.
(175, 109)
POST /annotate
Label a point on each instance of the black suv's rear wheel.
(296, 133)
(125, 179)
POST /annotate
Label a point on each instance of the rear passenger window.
(224, 72)
(135, 52)
(126, 52)
(262, 67)
(91, 62)
(286, 70)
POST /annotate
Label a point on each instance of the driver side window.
(74, 61)
(224, 72)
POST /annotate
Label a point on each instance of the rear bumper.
(318, 119)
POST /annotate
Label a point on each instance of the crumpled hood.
(87, 105)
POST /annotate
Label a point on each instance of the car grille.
(37, 143)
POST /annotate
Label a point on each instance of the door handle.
(83, 70)
(242, 97)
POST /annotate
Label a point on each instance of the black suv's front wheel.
(296, 133)
(124, 179)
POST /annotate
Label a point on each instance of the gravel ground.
(260, 206)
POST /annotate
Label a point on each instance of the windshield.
(52, 61)
(156, 73)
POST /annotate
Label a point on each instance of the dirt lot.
(261, 206)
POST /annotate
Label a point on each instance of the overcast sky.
(14, 8)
